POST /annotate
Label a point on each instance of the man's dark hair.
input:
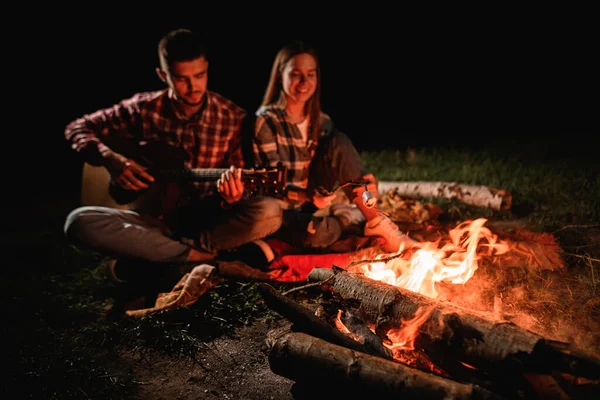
(180, 45)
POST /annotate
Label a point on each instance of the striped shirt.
(211, 138)
(276, 139)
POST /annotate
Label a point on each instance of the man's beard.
(185, 101)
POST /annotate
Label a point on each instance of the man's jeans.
(206, 226)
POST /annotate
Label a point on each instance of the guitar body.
(167, 165)
(96, 191)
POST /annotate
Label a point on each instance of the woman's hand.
(230, 185)
(320, 198)
(372, 186)
(125, 172)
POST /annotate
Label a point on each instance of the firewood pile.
(349, 340)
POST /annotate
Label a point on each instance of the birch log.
(473, 338)
(484, 196)
(307, 359)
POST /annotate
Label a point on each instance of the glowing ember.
(340, 325)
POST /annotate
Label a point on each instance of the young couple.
(200, 223)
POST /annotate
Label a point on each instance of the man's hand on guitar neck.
(125, 172)
(230, 185)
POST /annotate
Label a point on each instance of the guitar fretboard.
(203, 174)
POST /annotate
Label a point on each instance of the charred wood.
(551, 353)
(357, 328)
(578, 387)
(306, 321)
(372, 342)
(543, 387)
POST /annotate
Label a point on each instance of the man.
(193, 222)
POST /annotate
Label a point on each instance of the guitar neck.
(263, 181)
(204, 174)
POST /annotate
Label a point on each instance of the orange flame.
(404, 337)
(403, 342)
(455, 262)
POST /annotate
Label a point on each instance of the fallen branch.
(497, 199)
(372, 261)
(586, 257)
(296, 289)
(307, 359)
(578, 226)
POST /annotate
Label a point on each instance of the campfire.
(454, 262)
(413, 323)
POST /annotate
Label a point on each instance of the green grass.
(550, 193)
(62, 346)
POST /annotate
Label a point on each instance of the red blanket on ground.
(291, 265)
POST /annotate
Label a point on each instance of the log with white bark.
(476, 195)
(306, 359)
(470, 337)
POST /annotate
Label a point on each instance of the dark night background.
(390, 79)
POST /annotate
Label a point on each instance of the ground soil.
(232, 367)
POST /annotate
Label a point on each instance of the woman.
(291, 128)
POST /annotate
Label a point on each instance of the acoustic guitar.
(166, 164)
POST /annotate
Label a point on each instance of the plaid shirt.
(276, 139)
(212, 138)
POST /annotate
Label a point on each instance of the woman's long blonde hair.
(274, 94)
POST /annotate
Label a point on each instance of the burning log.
(497, 199)
(305, 320)
(359, 329)
(450, 331)
(307, 359)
